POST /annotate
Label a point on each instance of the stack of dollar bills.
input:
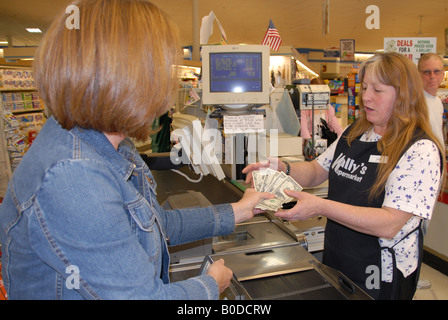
(275, 182)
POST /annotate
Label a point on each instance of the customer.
(383, 175)
(430, 66)
(431, 70)
(80, 219)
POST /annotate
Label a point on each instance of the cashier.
(80, 219)
(384, 174)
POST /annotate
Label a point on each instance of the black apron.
(352, 173)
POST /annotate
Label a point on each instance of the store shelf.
(23, 115)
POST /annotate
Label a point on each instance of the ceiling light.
(34, 30)
(308, 69)
(363, 56)
(3, 42)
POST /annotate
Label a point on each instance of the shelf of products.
(23, 116)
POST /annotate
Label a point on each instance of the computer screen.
(236, 72)
(235, 77)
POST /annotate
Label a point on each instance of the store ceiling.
(299, 22)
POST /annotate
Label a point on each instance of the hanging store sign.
(412, 48)
(332, 52)
(347, 49)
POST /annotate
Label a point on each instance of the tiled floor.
(439, 285)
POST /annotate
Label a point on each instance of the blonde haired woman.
(384, 173)
(80, 219)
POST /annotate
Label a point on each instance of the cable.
(187, 177)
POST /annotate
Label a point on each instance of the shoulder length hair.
(115, 73)
(410, 112)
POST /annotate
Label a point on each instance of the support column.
(196, 31)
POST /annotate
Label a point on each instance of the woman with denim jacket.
(80, 219)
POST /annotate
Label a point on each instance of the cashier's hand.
(221, 274)
(306, 208)
(245, 208)
(272, 163)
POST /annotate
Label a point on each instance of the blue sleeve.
(187, 225)
(79, 219)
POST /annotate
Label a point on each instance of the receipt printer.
(314, 97)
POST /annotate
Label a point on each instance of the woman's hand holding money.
(245, 208)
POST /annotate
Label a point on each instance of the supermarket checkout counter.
(270, 258)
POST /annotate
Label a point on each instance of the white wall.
(437, 236)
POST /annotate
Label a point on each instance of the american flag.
(223, 38)
(272, 37)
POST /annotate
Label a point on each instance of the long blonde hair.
(410, 113)
(115, 73)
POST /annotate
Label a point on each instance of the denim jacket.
(81, 221)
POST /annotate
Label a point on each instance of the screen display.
(236, 72)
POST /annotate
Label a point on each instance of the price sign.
(412, 48)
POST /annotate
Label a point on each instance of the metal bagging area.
(270, 261)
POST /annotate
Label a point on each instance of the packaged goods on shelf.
(3, 294)
(20, 131)
(15, 139)
(21, 101)
(22, 116)
(16, 79)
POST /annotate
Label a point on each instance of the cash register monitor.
(235, 77)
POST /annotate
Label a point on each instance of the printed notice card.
(243, 123)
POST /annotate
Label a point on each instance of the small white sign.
(243, 123)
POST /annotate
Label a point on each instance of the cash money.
(275, 182)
